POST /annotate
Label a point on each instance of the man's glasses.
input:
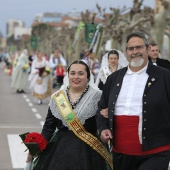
(139, 47)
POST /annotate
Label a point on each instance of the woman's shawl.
(85, 109)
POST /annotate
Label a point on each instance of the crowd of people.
(28, 70)
(113, 115)
(35, 72)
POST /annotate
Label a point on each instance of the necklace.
(73, 104)
(76, 96)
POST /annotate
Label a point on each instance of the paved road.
(18, 114)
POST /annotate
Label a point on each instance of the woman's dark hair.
(113, 52)
(37, 52)
(83, 63)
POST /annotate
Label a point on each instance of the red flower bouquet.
(34, 141)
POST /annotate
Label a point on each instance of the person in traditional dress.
(14, 63)
(111, 61)
(56, 59)
(20, 73)
(138, 101)
(40, 78)
(75, 145)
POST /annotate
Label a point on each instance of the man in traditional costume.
(138, 102)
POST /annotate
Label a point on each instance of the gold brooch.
(149, 84)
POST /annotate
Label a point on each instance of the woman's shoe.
(22, 91)
(39, 102)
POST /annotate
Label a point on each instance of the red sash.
(127, 139)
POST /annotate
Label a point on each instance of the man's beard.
(137, 63)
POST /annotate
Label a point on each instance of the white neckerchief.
(104, 73)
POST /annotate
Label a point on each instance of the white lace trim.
(85, 109)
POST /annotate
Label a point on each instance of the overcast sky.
(26, 10)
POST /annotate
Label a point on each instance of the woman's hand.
(29, 158)
(104, 112)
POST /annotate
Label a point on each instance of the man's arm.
(103, 122)
(103, 125)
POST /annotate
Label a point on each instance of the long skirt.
(68, 152)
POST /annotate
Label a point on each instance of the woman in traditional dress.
(14, 63)
(40, 78)
(20, 73)
(72, 111)
(111, 61)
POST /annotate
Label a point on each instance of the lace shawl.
(85, 109)
(104, 73)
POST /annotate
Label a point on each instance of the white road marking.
(38, 116)
(27, 100)
(42, 123)
(17, 148)
(34, 110)
(30, 104)
(24, 96)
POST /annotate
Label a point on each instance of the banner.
(34, 42)
(98, 43)
(93, 42)
(90, 30)
(97, 40)
(76, 36)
